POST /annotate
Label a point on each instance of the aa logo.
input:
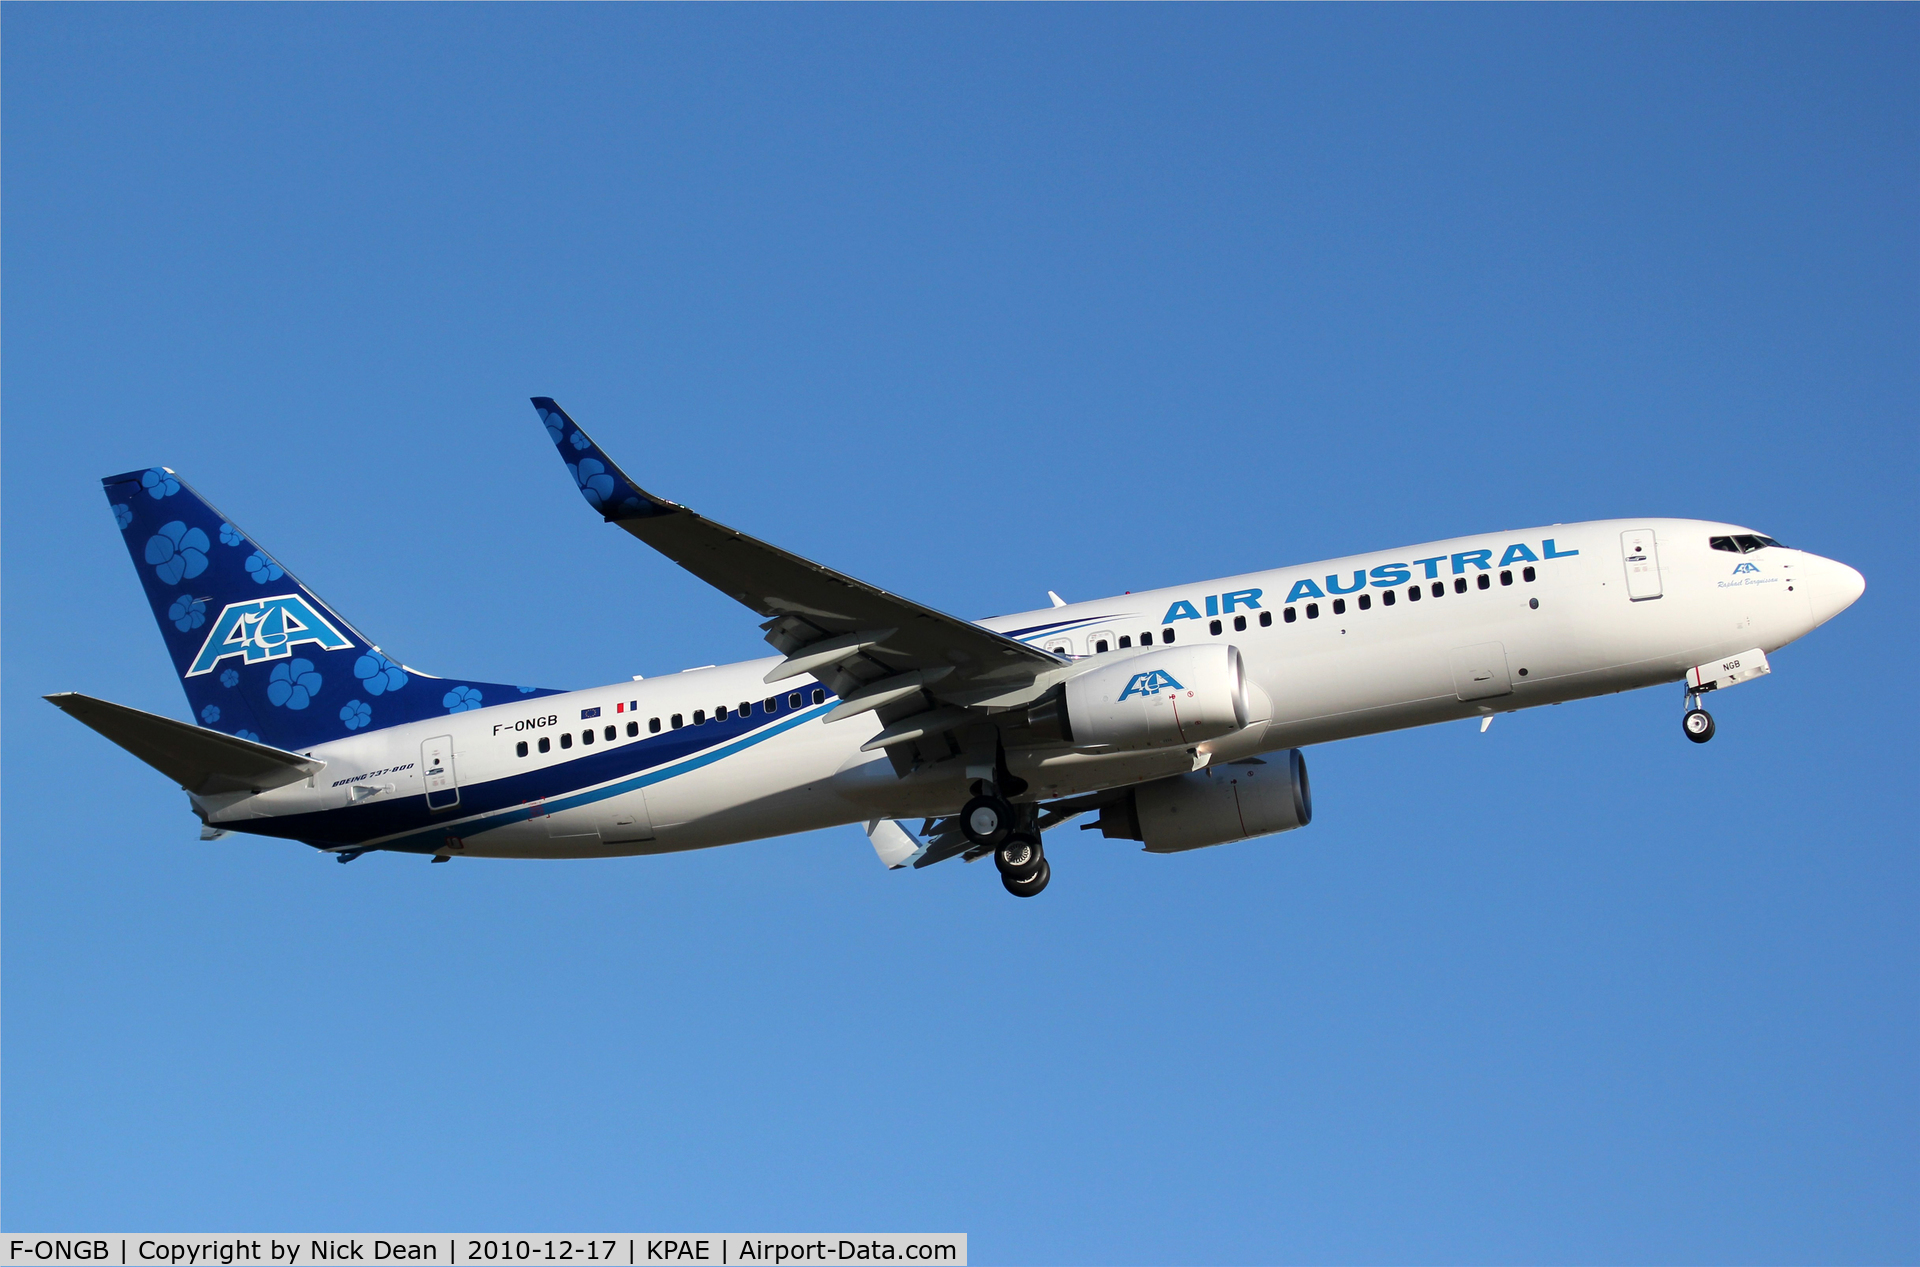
(1151, 683)
(1746, 567)
(265, 629)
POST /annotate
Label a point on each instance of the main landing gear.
(1698, 722)
(1023, 866)
(990, 823)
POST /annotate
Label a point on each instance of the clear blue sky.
(974, 302)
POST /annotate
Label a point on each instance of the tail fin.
(258, 653)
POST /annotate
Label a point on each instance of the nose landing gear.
(1698, 722)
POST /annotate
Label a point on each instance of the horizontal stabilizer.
(199, 760)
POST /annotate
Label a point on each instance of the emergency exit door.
(1641, 556)
(436, 768)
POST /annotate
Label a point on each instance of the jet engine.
(1221, 803)
(1178, 696)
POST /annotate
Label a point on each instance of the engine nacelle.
(1215, 805)
(1182, 695)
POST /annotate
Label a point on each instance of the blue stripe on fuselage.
(383, 818)
(431, 839)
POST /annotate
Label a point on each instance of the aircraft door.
(1480, 672)
(436, 768)
(1641, 555)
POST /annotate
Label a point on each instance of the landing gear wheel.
(1698, 723)
(986, 820)
(1029, 885)
(1018, 855)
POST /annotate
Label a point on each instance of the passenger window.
(1459, 584)
(1146, 640)
(770, 706)
(612, 734)
(653, 725)
(1125, 641)
(1313, 611)
(1100, 646)
(546, 745)
(720, 713)
(1290, 615)
(1526, 574)
(1239, 624)
(1213, 627)
(1366, 602)
(1166, 636)
(699, 716)
(819, 696)
(1413, 594)
(746, 708)
(566, 740)
(1486, 582)
(1387, 597)
(1439, 588)
(1506, 576)
(633, 730)
(520, 749)
(1339, 606)
(586, 736)
(1266, 620)
(793, 700)
(678, 721)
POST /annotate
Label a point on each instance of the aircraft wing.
(917, 667)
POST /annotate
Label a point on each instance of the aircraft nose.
(1835, 588)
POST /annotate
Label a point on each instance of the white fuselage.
(1573, 631)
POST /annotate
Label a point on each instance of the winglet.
(605, 486)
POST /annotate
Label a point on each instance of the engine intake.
(1182, 695)
(1213, 806)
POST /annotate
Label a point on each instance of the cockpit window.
(1745, 543)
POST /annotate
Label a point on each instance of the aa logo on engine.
(265, 629)
(1151, 683)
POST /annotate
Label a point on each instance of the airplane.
(1171, 717)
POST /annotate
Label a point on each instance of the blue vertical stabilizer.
(259, 654)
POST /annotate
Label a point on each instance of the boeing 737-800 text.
(1175, 717)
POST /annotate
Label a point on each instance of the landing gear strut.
(1698, 722)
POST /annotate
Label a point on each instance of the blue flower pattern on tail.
(177, 552)
(230, 535)
(230, 679)
(159, 483)
(378, 674)
(461, 699)
(262, 569)
(210, 714)
(356, 714)
(187, 613)
(293, 684)
(122, 515)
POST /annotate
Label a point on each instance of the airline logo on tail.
(265, 629)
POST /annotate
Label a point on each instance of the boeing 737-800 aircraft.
(1175, 717)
